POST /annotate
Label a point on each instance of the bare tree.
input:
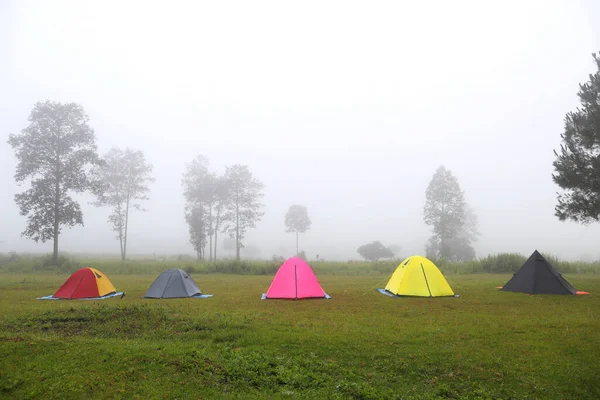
(124, 177)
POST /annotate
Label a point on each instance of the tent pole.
(426, 282)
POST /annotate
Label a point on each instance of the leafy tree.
(296, 220)
(243, 206)
(54, 152)
(196, 191)
(577, 167)
(470, 229)
(209, 192)
(455, 249)
(444, 210)
(196, 221)
(219, 198)
(124, 177)
(374, 251)
(458, 248)
(208, 197)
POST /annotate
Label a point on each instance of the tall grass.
(497, 263)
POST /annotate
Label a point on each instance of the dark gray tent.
(174, 283)
(537, 276)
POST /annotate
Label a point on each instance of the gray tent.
(174, 283)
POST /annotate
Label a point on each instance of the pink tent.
(295, 280)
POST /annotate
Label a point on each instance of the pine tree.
(577, 167)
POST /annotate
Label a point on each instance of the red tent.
(86, 283)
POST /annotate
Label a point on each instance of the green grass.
(360, 344)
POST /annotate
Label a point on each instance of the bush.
(65, 265)
(502, 263)
(242, 267)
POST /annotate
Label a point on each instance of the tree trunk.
(210, 233)
(120, 214)
(56, 200)
(215, 253)
(237, 230)
(124, 255)
(217, 230)
(56, 219)
(443, 231)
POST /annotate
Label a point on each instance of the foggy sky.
(345, 107)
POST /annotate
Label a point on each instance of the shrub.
(502, 263)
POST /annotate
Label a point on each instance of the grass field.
(360, 344)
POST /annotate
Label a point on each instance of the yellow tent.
(418, 276)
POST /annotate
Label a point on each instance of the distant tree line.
(57, 157)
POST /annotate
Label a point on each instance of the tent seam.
(166, 286)
(76, 287)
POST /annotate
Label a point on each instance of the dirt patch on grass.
(121, 321)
